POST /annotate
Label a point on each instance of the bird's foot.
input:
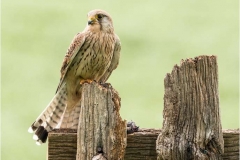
(86, 81)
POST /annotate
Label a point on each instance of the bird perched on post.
(92, 55)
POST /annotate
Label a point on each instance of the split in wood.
(62, 145)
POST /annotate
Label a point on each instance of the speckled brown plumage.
(92, 55)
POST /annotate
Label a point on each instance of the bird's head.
(99, 20)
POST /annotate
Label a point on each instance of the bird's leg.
(82, 81)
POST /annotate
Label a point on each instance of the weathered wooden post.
(101, 131)
(192, 126)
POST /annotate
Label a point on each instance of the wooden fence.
(191, 127)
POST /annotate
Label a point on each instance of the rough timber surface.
(62, 145)
(100, 124)
(142, 145)
(192, 124)
(231, 144)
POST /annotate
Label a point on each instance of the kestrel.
(93, 55)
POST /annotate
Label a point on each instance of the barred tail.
(71, 116)
(50, 117)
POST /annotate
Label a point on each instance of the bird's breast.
(94, 57)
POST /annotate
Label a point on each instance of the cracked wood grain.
(192, 126)
(62, 145)
(100, 124)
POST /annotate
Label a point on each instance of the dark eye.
(100, 16)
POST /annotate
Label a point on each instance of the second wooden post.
(192, 126)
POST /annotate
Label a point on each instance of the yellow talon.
(86, 81)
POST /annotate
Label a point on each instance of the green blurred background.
(155, 36)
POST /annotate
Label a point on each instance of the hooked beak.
(91, 20)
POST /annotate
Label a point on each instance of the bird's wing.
(72, 51)
(115, 60)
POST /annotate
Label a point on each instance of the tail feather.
(41, 134)
(76, 117)
(71, 116)
(50, 117)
